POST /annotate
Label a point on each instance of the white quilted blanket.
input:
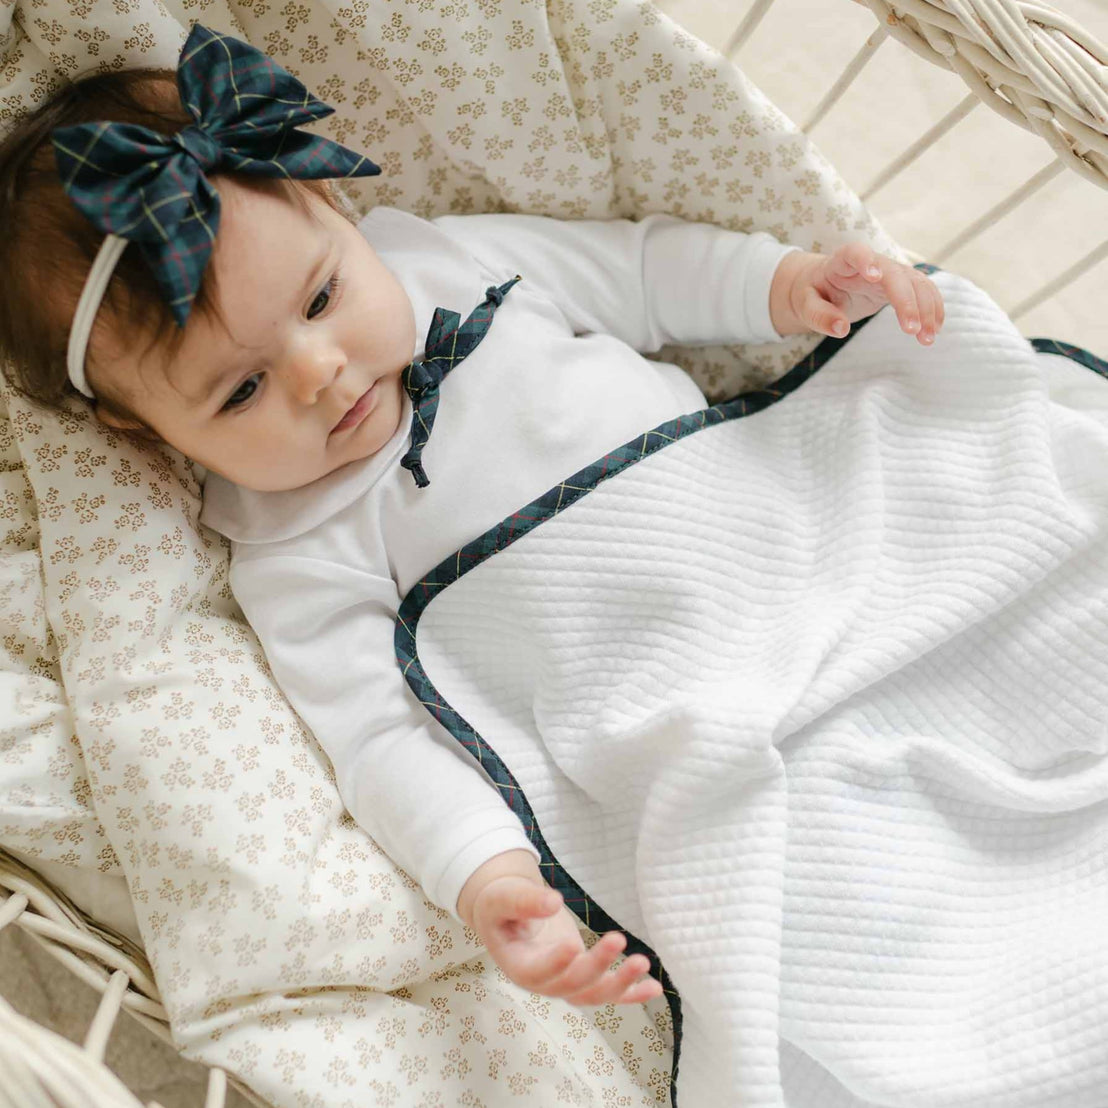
(814, 703)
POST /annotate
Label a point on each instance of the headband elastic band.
(87, 307)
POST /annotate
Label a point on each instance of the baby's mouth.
(360, 409)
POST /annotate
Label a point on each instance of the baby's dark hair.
(47, 246)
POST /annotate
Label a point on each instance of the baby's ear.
(121, 423)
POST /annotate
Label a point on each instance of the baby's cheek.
(394, 331)
(267, 455)
(404, 329)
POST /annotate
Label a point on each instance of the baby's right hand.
(534, 939)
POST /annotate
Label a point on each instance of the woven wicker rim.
(1027, 61)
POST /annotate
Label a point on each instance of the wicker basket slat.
(922, 144)
(96, 1038)
(846, 78)
(44, 1070)
(999, 211)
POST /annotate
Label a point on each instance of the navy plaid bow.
(447, 344)
(133, 182)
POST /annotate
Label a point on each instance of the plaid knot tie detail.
(201, 146)
(448, 342)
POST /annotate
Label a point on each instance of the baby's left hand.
(855, 281)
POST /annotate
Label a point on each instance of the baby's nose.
(315, 369)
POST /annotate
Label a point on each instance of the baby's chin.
(274, 478)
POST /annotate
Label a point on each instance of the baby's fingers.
(931, 308)
(588, 980)
(901, 290)
(641, 992)
(586, 968)
(854, 259)
(623, 985)
(821, 316)
(536, 902)
(537, 970)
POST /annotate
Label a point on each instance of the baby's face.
(314, 321)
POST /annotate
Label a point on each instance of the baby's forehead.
(263, 227)
(268, 198)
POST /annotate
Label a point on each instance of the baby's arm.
(535, 940)
(649, 282)
(327, 632)
(665, 280)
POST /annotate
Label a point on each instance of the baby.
(262, 333)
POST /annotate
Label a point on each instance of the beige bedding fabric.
(140, 729)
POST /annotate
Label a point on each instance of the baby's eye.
(232, 402)
(323, 297)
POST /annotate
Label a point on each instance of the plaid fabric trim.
(446, 345)
(1077, 353)
(546, 507)
(153, 189)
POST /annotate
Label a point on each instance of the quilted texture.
(814, 702)
(143, 733)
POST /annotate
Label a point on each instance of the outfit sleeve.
(649, 282)
(327, 631)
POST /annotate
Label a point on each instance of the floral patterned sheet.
(142, 736)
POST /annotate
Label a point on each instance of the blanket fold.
(811, 697)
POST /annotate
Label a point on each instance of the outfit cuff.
(762, 266)
(477, 839)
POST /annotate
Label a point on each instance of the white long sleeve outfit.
(555, 383)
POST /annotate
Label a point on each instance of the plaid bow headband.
(139, 186)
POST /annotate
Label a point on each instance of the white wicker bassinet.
(1025, 60)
